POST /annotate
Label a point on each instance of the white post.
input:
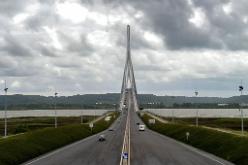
(173, 114)
(95, 111)
(55, 110)
(82, 117)
(197, 111)
(242, 120)
(94, 114)
(241, 109)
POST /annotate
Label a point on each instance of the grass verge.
(227, 146)
(21, 148)
(224, 123)
(25, 124)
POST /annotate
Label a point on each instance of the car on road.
(101, 138)
(142, 127)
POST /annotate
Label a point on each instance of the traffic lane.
(89, 151)
(149, 147)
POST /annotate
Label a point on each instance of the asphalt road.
(89, 151)
(147, 148)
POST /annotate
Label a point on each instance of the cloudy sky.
(78, 47)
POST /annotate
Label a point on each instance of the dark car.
(101, 138)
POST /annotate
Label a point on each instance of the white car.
(142, 127)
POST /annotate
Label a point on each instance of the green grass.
(230, 147)
(18, 149)
(225, 123)
(24, 124)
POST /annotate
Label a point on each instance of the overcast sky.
(78, 47)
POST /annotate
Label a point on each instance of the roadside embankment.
(20, 148)
(225, 145)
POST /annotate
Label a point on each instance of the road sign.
(151, 121)
(91, 125)
(107, 118)
(187, 135)
(125, 155)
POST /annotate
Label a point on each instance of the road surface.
(147, 148)
(89, 151)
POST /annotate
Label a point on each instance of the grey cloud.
(81, 47)
(45, 16)
(23, 68)
(229, 28)
(151, 68)
(137, 41)
(11, 7)
(70, 63)
(185, 60)
(46, 51)
(170, 19)
(14, 46)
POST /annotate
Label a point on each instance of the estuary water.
(47, 113)
(204, 113)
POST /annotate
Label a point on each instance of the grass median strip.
(21, 148)
(228, 146)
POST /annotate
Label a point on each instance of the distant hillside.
(169, 100)
(108, 100)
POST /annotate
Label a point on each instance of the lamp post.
(241, 88)
(82, 116)
(172, 115)
(5, 110)
(197, 111)
(115, 107)
(55, 110)
(95, 110)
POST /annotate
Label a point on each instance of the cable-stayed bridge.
(139, 148)
(128, 88)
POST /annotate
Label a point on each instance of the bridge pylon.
(128, 81)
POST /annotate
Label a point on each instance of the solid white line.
(124, 142)
(129, 136)
(122, 148)
(126, 136)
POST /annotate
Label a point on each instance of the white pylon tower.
(128, 82)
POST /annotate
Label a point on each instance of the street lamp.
(172, 115)
(95, 110)
(82, 116)
(55, 110)
(241, 88)
(197, 111)
(115, 107)
(5, 110)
